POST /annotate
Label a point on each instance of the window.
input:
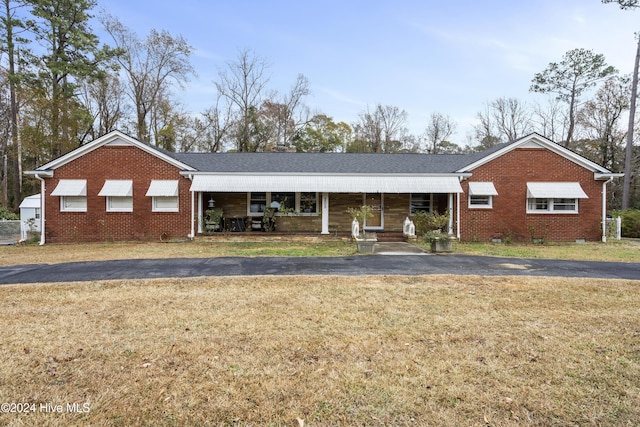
(554, 197)
(308, 203)
(73, 204)
(302, 203)
(164, 194)
(119, 194)
(37, 213)
(73, 195)
(480, 201)
(481, 195)
(541, 205)
(165, 204)
(119, 204)
(257, 203)
(287, 201)
(420, 202)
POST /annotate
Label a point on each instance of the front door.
(375, 200)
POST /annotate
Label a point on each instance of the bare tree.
(243, 84)
(600, 117)
(550, 120)
(152, 66)
(105, 100)
(439, 129)
(381, 131)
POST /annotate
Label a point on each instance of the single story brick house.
(119, 188)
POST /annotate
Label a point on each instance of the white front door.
(376, 201)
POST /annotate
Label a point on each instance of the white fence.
(9, 232)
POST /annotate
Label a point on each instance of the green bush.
(426, 222)
(6, 214)
(630, 223)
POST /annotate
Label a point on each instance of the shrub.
(426, 222)
(6, 214)
(630, 223)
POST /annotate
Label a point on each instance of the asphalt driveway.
(350, 266)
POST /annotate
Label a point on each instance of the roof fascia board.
(546, 143)
(104, 140)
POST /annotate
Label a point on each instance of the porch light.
(212, 203)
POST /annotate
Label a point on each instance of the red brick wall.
(116, 162)
(508, 218)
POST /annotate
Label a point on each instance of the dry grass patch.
(200, 248)
(429, 350)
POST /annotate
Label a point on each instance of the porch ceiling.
(326, 183)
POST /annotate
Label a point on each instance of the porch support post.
(193, 234)
(458, 217)
(325, 213)
(450, 209)
(604, 210)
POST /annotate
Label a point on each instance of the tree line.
(62, 86)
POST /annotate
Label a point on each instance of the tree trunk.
(626, 186)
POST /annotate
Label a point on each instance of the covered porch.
(318, 203)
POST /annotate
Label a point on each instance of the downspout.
(193, 211)
(604, 209)
(43, 189)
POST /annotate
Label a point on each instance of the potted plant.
(432, 226)
(212, 219)
(365, 241)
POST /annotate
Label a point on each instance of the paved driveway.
(352, 265)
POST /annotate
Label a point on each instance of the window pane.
(420, 202)
(165, 204)
(564, 204)
(480, 200)
(120, 204)
(286, 200)
(538, 204)
(308, 202)
(73, 203)
(257, 202)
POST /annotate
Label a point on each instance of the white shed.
(29, 216)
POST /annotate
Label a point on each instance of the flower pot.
(441, 244)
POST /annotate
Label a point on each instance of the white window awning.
(117, 188)
(70, 187)
(482, 189)
(555, 190)
(326, 183)
(160, 188)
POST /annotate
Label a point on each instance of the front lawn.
(425, 350)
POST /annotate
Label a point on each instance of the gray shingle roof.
(326, 162)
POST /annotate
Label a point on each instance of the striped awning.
(555, 190)
(161, 188)
(482, 189)
(326, 183)
(70, 187)
(117, 188)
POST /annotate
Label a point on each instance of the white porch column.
(192, 235)
(325, 213)
(458, 217)
(604, 210)
(450, 209)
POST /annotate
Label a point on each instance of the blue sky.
(420, 56)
